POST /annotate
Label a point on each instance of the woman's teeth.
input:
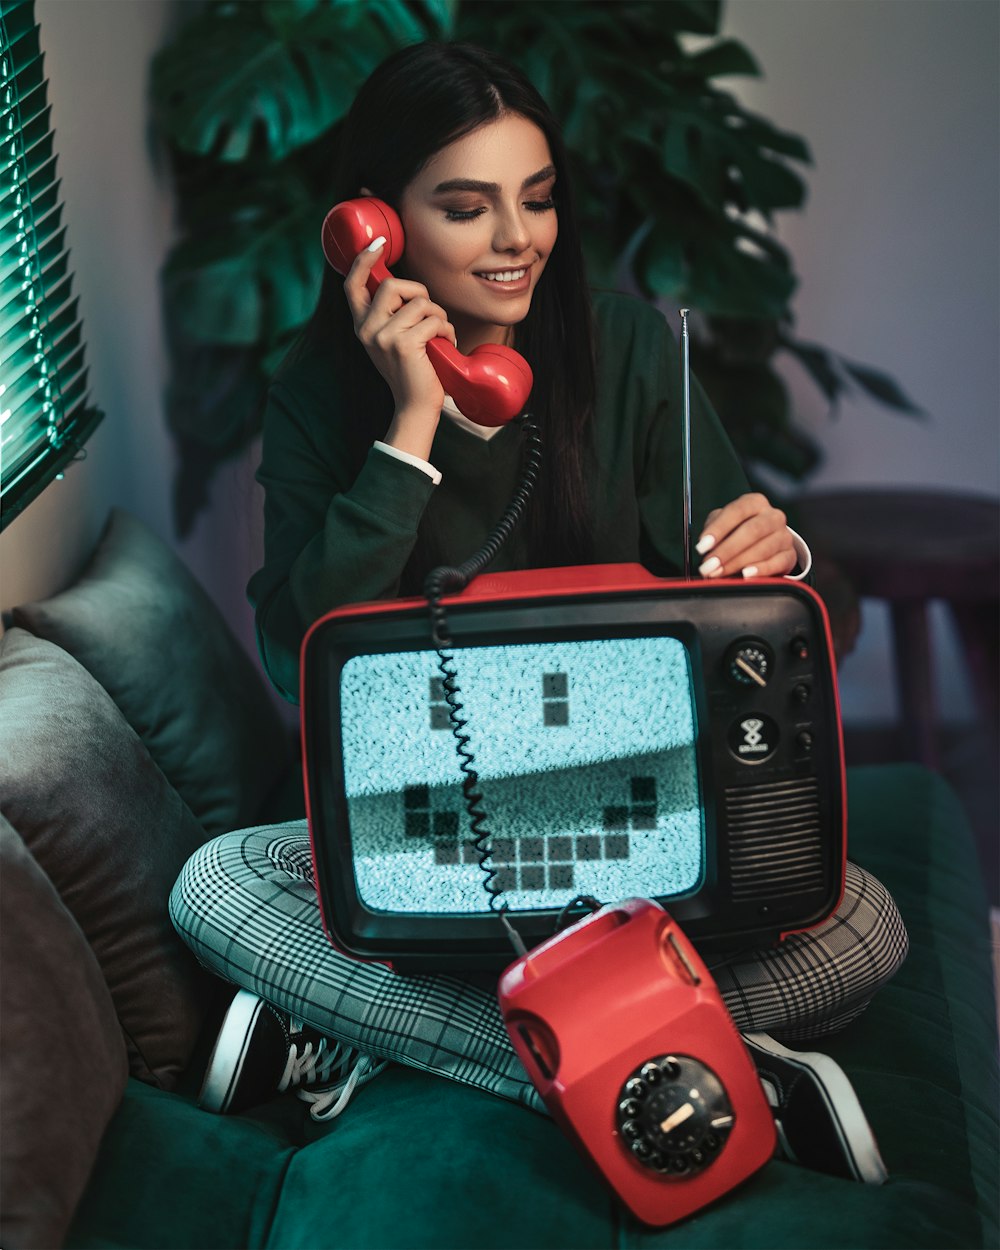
(510, 275)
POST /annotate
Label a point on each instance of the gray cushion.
(64, 1066)
(101, 821)
(139, 622)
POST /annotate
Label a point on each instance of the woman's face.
(480, 224)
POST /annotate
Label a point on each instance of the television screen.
(586, 757)
(631, 737)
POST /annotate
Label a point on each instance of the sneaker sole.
(222, 1076)
(854, 1133)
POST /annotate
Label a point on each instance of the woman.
(372, 477)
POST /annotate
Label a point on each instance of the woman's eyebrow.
(543, 175)
(491, 188)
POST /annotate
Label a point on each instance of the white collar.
(481, 431)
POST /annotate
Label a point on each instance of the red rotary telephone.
(492, 384)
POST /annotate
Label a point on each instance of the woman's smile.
(509, 281)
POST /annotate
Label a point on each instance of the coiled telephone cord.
(444, 580)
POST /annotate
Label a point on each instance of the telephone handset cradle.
(492, 384)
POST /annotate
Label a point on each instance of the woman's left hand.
(747, 537)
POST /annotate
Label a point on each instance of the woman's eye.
(462, 214)
(540, 206)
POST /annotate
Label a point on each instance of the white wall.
(897, 249)
(897, 252)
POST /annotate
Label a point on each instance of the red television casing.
(725, 610)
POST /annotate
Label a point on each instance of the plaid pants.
(246, 905)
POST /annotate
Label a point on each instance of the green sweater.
(330, 540)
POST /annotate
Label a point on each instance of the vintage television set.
(673, 739)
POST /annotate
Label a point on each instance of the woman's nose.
(512, 234)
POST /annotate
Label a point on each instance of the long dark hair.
(415, 103)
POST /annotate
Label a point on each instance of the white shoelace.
(329, 1102)
(339, 1069)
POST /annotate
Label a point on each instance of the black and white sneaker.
(817, 1114)
(261, 1052)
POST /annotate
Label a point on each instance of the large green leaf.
(701, 17)
(759, 131)
(711, 259)
(821, 366)
(833, 374)
(663, 267)
(724, 58)
(232, 84)
(738, 280)
(882, 387)
(702, 148)
(254, 278)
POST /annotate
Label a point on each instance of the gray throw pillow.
(100, 820)
(64, 1065)
(140, 623)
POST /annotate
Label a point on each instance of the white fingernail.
(376, 244)
(750, 570)
(705, 543)
(709, 567)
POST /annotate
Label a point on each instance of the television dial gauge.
(749, 663)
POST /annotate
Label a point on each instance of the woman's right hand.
(394, 327)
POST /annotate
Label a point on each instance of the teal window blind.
(45, 417)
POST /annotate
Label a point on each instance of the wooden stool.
(909, 547)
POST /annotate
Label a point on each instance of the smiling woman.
(480, 240)
(372, 479)
(399, 143)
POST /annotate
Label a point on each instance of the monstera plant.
(678, 185)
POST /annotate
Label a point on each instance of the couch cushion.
(139, 622)
(64, 1066)
(420, 1162)
(103, 824)
(415, 1161)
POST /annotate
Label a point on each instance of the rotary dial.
(674, 1115)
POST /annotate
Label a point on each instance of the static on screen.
(586, 757)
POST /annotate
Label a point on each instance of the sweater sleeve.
(328, 541)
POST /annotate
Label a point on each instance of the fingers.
(747, 537)
(397, 301)
(356, 281)
(391, 293)
(394, 325)
(414, 322)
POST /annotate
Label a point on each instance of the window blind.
(45, 416)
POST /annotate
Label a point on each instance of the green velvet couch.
(132, 727)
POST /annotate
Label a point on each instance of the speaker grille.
(775, 839)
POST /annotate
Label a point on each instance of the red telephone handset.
(492, 384)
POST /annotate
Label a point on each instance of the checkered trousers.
(246, 905)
